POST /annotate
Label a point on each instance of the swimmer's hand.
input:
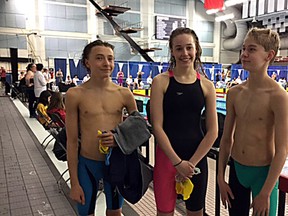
(77, 194)
(185, 169)
(261, 205)
(225, 192)
(106, 139)
(102, 149)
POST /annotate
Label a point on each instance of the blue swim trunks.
(89, 174)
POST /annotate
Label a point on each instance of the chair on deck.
(60, 151)
(48, 125)
(55, 117)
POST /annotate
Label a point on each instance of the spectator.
(129, 82)
(40, 83)
(86, 78)
(75, 80)
(3, 76)
(56, 105)
(120, 78)
(149, 81)
(43, 102)
(68, 80)
(59, 76)
(29, 80)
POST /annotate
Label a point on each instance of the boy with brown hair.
(95, 105)
(255, 131)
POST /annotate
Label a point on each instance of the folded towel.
(131, 133)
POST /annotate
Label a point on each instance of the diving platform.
(113, 10)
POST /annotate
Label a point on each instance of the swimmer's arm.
(71, 122)
(279, 105)
(211, 122)
(129, 103)
(156, 109)
(226, 142)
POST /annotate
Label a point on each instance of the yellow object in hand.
(102, 149)
(185, 188)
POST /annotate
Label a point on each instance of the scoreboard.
(164, 25)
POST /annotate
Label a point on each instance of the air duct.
(284, 43)
(235, 31)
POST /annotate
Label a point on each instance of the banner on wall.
(77, 69)
(120, 66)
(140, 67)
(160, 67)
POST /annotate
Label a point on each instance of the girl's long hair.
(56, 101)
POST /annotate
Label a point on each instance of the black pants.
(31, 100)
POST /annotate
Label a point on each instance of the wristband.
(177, 164)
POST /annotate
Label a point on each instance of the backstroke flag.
(213, 4)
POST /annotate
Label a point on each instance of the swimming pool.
(220, 104)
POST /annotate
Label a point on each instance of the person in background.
(68, 80)
(57, 106)
(238, 80)
(228, 77)
(52, 83)
(178, 97)
(46, 75)
(52, 73)
(40, 83)
(274, 76)
(282, 82)
(43, 102)
(3, 76)
(29, 80)
(139, 77)
(255, 135)
(59, 76)
(92, 106)
(86, 78)
(120, 78)
(135, 83)
(129, 82)
(75, 80)
(149, 81)
(21, 75)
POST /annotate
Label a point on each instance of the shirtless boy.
(95, 105)
(255, 132)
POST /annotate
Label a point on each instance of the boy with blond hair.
(255, 132)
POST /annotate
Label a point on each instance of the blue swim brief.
(90, 172)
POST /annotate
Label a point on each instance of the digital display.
(165, 25)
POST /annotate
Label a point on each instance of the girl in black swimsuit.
(177, 99)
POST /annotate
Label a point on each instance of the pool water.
(220, 104)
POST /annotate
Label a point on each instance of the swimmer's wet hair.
(88, 47)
